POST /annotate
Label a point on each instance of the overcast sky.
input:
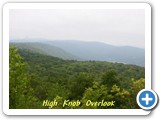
(116, 27)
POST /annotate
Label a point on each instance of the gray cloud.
(117, 27)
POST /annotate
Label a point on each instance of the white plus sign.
(147, 99)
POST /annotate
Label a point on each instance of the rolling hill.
(80, 50)
(103, 52)
(45, 49)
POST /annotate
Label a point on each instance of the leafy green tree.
(20, 93)
(15, 77)
(57, 90)
(110, 78)
(95, 93)
(79, 84)
(120, 95)
(137, 85)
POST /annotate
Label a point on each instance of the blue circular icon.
(147, 99)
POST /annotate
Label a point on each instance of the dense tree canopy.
(21, 95)
(35, 77)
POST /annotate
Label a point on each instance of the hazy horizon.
(123, 27)
(36, 40)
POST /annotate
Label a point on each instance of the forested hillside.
(35, 77)
(45, 49)
(84, 51)
(100, 51)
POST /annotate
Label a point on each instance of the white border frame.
(9, 6)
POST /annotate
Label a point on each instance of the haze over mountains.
(45, 49)
(80, 50)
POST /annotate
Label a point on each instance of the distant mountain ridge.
(45, 49)
(97, 51)
(103, 52)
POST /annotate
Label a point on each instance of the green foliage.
(136, 86)
(57, 90)
(78, 85)
(121, 96)
(35, 77)
(95, 93)
(20, 93)
(110, 78)
(100, 92)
